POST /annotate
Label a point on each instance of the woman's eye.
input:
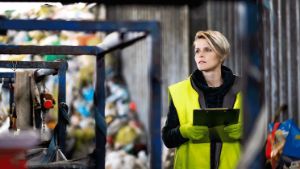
(203, 50)
(208, 49)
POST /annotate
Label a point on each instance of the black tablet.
(215, 117)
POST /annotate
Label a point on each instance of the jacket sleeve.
(171, 135)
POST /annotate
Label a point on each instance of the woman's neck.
(213, 78)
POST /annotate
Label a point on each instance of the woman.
(212, 85)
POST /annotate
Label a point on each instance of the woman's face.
(205, 57)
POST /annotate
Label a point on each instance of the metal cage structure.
(61, 68)
(152, 29)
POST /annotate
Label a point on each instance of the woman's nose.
(200, 54)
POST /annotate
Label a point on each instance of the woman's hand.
(193, 132)
(234, 131)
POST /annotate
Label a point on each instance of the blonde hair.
(217, 42)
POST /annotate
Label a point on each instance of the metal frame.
(8, 75)
(61, 67)
(150, 27)
(253, 82)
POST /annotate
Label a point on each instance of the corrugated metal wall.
(225, 17)
(281, 34)
(136, 59)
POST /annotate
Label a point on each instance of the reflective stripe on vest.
(197, 155)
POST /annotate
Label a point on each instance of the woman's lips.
(201, 62)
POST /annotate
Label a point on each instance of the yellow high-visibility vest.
(192, 155)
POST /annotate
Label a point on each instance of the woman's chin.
(202, 68)
(209, 68)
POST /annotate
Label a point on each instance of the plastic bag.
(292, 145)
(283, 144)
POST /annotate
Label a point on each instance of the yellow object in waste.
(16, 57)
(126, 135)
(109, 119)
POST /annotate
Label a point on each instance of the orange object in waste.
(88, 40)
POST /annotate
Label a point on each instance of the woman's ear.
(222, 59)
